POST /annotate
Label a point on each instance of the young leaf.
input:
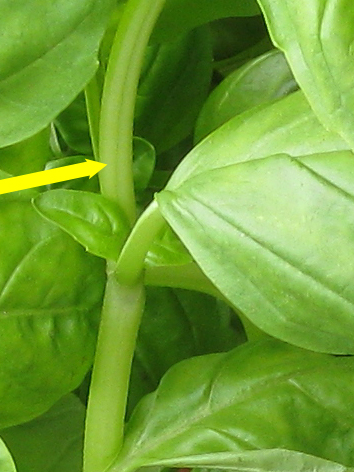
(143, 163)
(181, 16)
(261, 80)
(91, 219)
(85, 184)
(52, 442)
(274, 235)
(261, 395)
(47, 56)
(317, 39)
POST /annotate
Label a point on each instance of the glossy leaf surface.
(259, 396)
(192, 13)
(317, 38)
(51, 293)
(262, 80)
(91, 219)
(52, 442)
(47, 55)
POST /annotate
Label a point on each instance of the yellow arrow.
(51, 176)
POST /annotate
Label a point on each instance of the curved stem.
(118, 101)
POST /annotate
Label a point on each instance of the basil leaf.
(174, 83)
(83, 183)
(47, 56)
(258, 396)
(50, 298)
(91, 219)
(317, 38)
(180, 16)
(261, 80)
(6, 462)
(143, 163)
(286, 126)
(268, 460)
(52, 442)
(178, 324)
(254, 228)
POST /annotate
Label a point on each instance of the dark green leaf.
(262, 80)
(261, 395)
(317, 38)
(52, 442)
(90, 185)
(90, 218)
(51, 294)
(143, 163)
(178, 324)
(180, 16)
(47, 56)
(174, 84)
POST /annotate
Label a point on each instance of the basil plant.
(192, 305)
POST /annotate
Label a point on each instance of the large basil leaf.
(180, 16)
(52, 442)
(50, 297)
(262, 80)
(261, 395)
(6, 462)
(90, 218)
(178, 324)
(274, 235)
(268, 460)
(173, 86)
(257, 226)
(286, 126)
(317, 38)
(47, 55)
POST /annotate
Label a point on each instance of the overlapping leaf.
(263, 395)
(317, 38)
(273, 233)
(47, 56)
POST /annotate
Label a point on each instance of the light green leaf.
(317, 39)
(48, 53)
(267, 460)
(6, 461)
(180, 16)
(261, 395)
(90, 218)
(261, 80)
(274, 235)
(286, 126)
(52, 442)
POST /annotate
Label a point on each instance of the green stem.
(118, 101)
(131, 260)
(121, 314)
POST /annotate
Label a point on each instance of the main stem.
(123, 303)
(118, 101)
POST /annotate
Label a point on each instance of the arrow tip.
(93, 167)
